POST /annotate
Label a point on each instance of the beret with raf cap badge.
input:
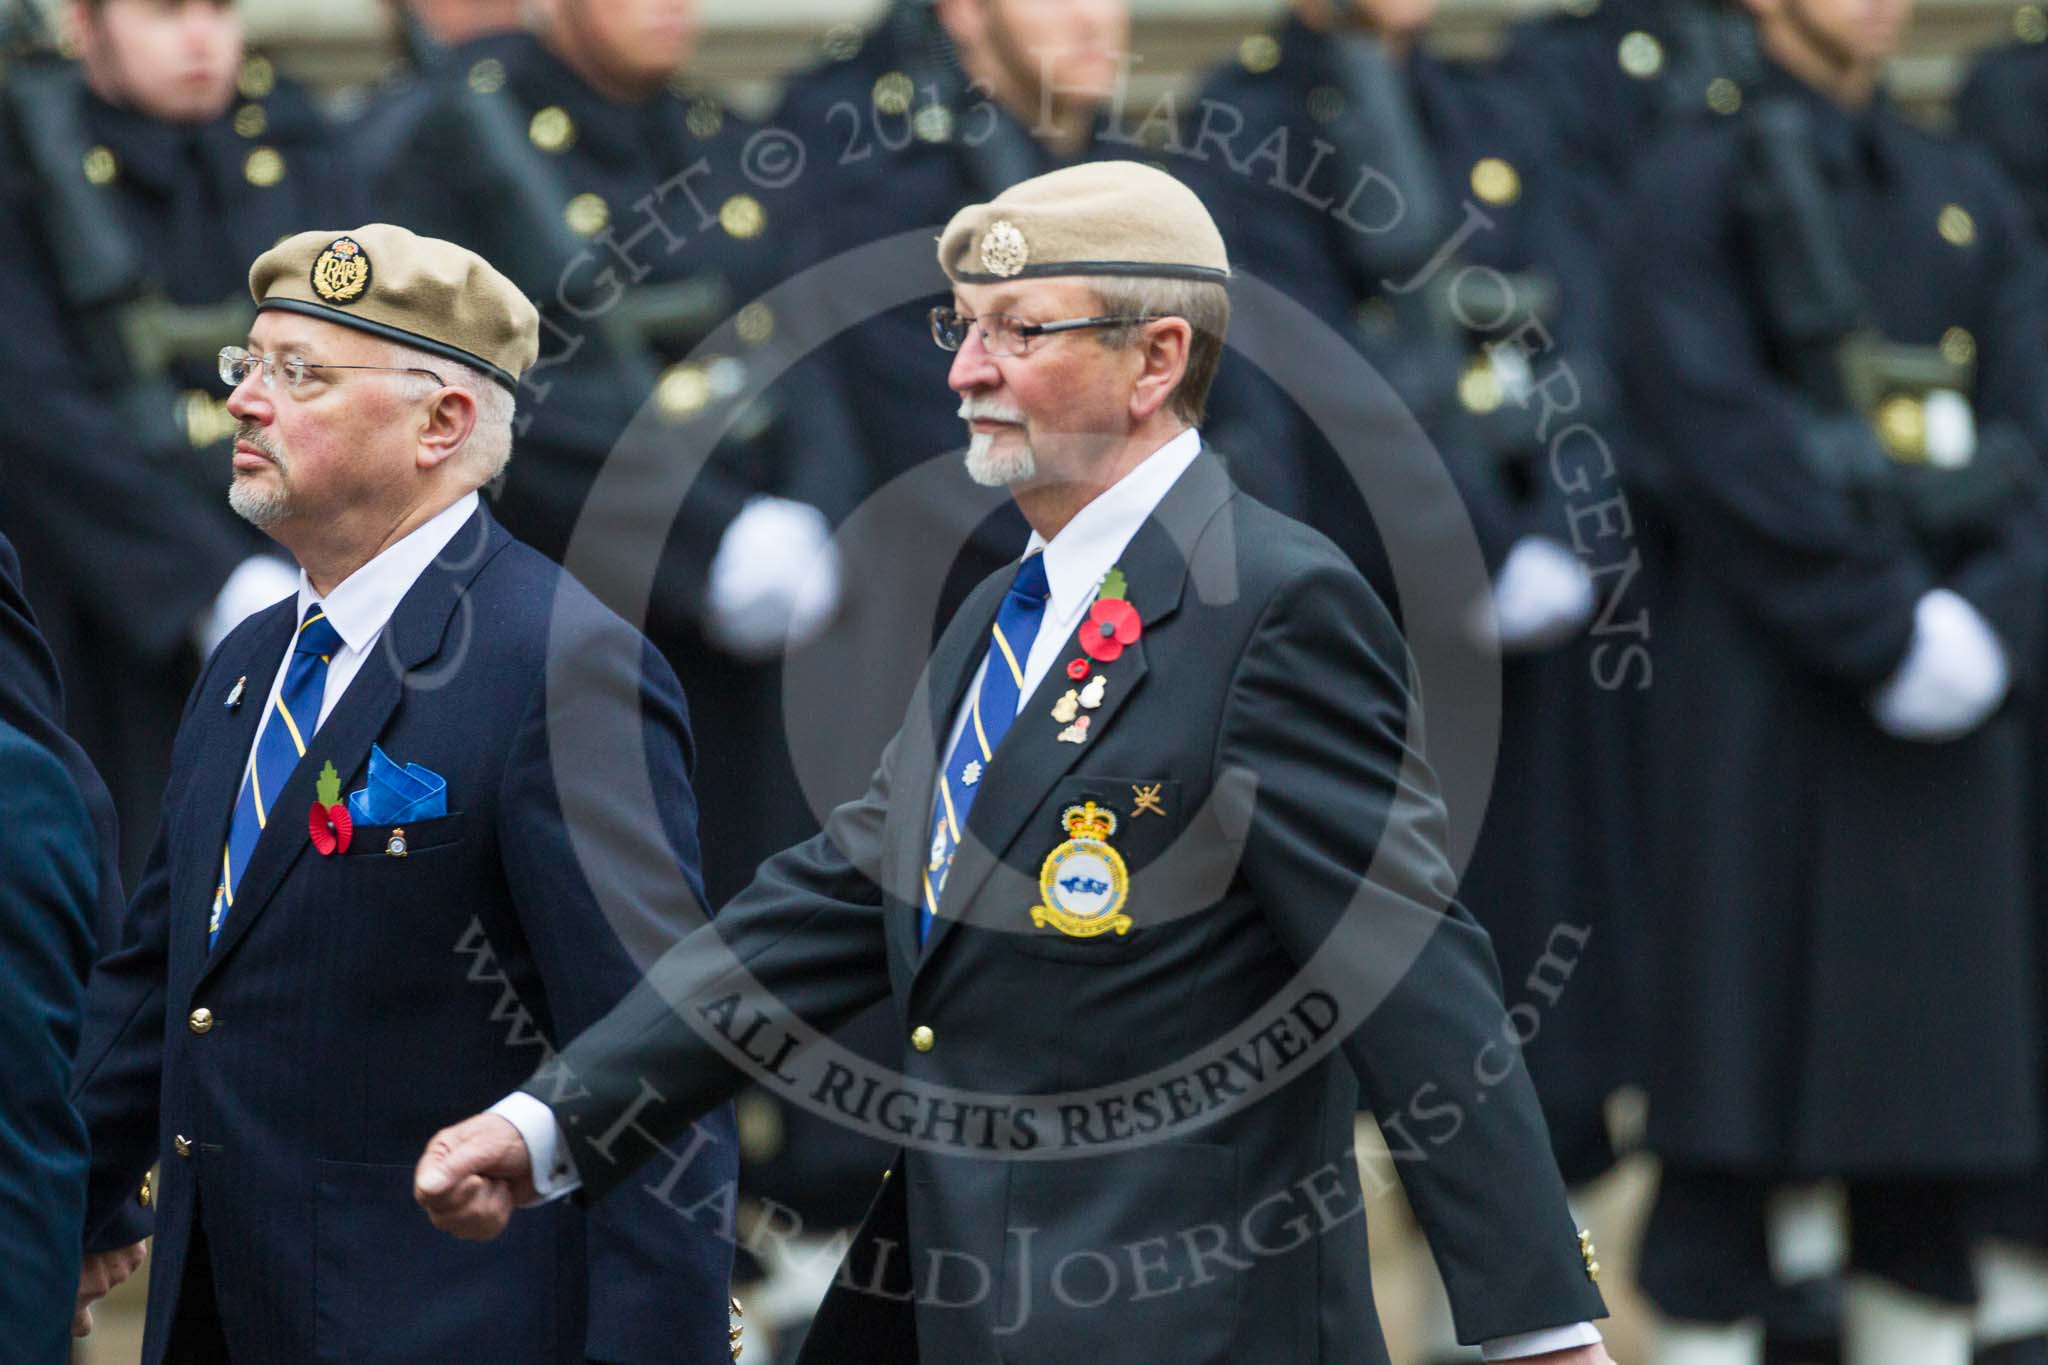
(1101, 218)
(419, 291)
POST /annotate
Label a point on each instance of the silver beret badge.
(1003, 249)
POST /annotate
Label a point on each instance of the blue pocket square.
(395, 795)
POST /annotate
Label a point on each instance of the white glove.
(1953, 676)
(257, 582)
(775, 578)
(1542, 597)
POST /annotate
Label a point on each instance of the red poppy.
(330, 828)
(1077, 669)
(1112, 623)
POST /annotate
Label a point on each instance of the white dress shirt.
(361, 605)
(1076, 560)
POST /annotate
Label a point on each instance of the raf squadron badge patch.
(342, 272)
(1084, 882)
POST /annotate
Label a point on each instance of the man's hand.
(102, 1273)
(472, 1177)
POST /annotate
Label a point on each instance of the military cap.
(1101, 218)
(419, 291)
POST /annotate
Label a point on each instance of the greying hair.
(1203, 304)
(489, 447)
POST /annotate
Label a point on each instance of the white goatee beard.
(992, 469)
(261, 507)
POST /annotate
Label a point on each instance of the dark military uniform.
(636, 231)
(1846, 988)
(2002, 104)
(1543, 877)
(117, 441)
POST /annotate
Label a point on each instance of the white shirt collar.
(1087, 547)
(361, 604)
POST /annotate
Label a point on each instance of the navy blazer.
(357, 1002)
(46, 899)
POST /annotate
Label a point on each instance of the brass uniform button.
(251, 121)
(200, 1020)
(100, 166)
(841, 42)
(742, 216)
(1956, 226)
(893, 93)
(552, 130)
(2029, 24)
(1723, 95)
(1902, 428)
(487, 77)
(682, 391)
(587, 214)
(1479, 387)
(1326, 104)
(1495, 181)
(1640, 55)
(705, 118)
(258, 78)
(263, 167)
(1259, 53)
(755, 323)
(146, 1196)
(182, 1145)
(933, 123)
(922, 1038)
(1958, 347)
(1580, 9)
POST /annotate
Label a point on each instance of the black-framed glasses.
(237, 364)
(1004, 335)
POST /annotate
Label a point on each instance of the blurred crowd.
(1729, 375)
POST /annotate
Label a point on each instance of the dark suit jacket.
(360, 1001)
(46, 900)
(1227, 1226)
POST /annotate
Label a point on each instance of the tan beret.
(421, 291)
(1101, 218)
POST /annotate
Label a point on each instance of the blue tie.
(988, 720)
(280, 745)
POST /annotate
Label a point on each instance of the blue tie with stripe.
(280, 744)
(988, 720)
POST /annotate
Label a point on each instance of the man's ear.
(445, 428)
(1163, 359)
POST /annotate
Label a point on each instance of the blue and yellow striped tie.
(281, 743)
(988, 720)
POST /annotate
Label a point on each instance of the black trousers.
(1706, 1251)
(196, 1335)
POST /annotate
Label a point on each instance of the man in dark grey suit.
(1180, 847)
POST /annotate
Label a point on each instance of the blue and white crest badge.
(1084, 881)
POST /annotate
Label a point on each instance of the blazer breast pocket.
(420, 837)
(1116, 839)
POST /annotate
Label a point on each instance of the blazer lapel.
(412, 637)
(225, 738)
(1031, 757)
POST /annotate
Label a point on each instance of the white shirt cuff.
(1538, 1343)
(554, 1172)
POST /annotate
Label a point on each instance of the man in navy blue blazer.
(395, 867)
(48, 881)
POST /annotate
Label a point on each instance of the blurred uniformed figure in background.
(576, 157)
(1832, 331)
(1416, 209)
(134, 185)
(2003, 106)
